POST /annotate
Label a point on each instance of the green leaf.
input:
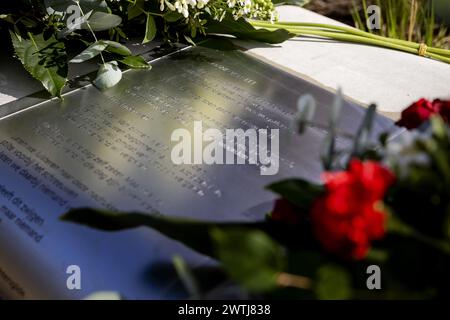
(297, 191)
(135, 9)
(97, 47)
(333, 283)
(172, 16)
(45, 60)
(243, 30)
(150, 29)
(189, 40)
(250, 257)
(90, 52)
(116, 47)
(109, 74)
(135, 62)
(194, 234)
(100, 21)
(399, 227)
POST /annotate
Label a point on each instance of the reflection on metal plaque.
(112, 149)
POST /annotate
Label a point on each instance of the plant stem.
(350, 30)
(294, 281)
(412, 18)
(90, 29)
(353, 35)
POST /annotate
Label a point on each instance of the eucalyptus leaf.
(100, 21)
(109, 74)
(116, 47)
(90, 52)
(150, 29)
(135, 62)
(44, 59)
(250, 257)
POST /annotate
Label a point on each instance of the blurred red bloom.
(443, 108)
(286, 212)
(420, 111)
(348, 216)
(416, 114)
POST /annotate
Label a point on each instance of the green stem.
(397, 226)
(353, 31)
(342, 36)
(90, 29)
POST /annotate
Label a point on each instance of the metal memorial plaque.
(112, 149)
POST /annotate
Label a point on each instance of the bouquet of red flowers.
(378, 226)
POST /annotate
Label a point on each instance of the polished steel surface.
(112, 149)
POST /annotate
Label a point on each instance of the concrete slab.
(367, 74)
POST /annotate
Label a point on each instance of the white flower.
(231, 3)
(202, 3)
(192, 3)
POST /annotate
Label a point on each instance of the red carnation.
(286, 212)
(346, 218)
(443, 108)
(416, 114)
(420, 111)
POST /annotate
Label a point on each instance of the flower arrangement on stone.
(377, 227)
(46, 33)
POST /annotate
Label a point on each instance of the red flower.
(420, 111)
(443, 108)
(347, 217)
(416, 114)
(286, 212)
